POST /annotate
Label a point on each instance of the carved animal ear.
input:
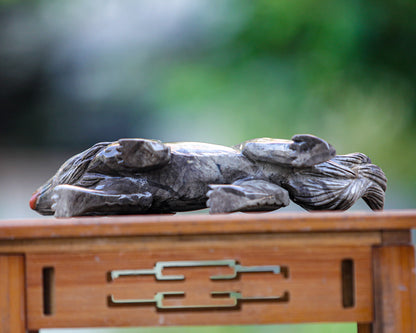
(310, 150)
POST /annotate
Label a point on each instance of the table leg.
(394, 289)
(364, 328)
(12, 294)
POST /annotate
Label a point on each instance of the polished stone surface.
(140, 176)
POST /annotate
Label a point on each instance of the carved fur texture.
(140, 176)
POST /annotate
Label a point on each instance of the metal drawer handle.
(236, 297)
(157, 271)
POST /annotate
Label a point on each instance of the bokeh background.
(73, 73)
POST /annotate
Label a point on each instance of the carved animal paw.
(310, 150)
(225, 198)
(67, 201)
(246, 195)
(142, 154)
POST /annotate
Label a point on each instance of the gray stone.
(140, 176)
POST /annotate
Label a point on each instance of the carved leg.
(12, 294)
(70, 200)
(249, 195)
(301, 151)
(136, 154)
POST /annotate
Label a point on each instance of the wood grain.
(396, 237)
(395, 297)
(313, 283)
(313, 246)
(12, 294)
(206, 224)
(138, 243)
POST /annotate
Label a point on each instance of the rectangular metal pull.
(235, 297)
(157, 271)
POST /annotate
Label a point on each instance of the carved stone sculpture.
(139, 176)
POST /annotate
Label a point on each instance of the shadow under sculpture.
(140, 176)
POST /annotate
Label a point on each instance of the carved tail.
(374, 195)
(337, 184)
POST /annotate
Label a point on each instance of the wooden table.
(209, 270)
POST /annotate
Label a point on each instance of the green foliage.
(310, 328)
(234, 70)
(343, 70)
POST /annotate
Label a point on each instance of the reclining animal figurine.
(139, 176)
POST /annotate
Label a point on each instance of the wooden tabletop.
(194, 224)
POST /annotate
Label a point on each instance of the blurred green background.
(73, 73)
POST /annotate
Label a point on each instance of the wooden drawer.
(174, 285)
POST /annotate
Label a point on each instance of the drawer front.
(231, 283)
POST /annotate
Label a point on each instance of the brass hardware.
(236, 297)
(157, 271)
